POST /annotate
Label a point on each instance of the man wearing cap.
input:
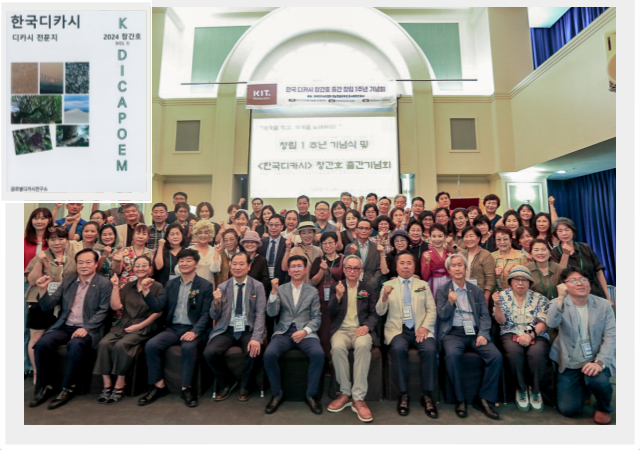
(307, 232)
(238, 306)
(353, 321)
(465, 324)
(410, 323)
(298, 306)
(585, 346)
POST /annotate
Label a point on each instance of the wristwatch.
(600, 363)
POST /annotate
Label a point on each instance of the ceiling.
(596, 158)
(545, 17)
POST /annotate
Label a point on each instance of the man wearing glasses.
(298, 305)
(185, 303)
(368, 252)
(322, 219)
(585, 346)
(353, 321)
(257, 205)
(273, 248)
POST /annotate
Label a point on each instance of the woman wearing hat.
(522, 315)
(400, 241)
(580, 255)
(259, 267)
(307, 232)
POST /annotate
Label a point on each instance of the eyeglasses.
(352, 269)
(296, 268)
(322, 210)
(520, 280)
(275, 225)
(577, 280)
(328, 242)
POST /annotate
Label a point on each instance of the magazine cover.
(76, 102)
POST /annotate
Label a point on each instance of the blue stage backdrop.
(590, 201)
(546, 41)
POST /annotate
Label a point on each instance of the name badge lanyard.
(586, 346)
(328, 274)
(172, 269)
(544, 288)
(468, 324)
(55, 264)
(579, 254)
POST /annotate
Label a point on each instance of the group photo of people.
(338, 305)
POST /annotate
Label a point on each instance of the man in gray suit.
(585, 346)
(238, 306)
(368, 253)
(84, 304)
(298, 304)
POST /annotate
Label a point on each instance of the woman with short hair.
(487, 241)
(432, 269)
(581, 256)
(204, 211)
(110, 244)
(397, 216)
(545, 273)
(129, 254)
(524, 237)
(166, 257)
(480, 267)
(522, 315)
(459, 220)
(384, 226)
(118, 349)
(506, 257)
(426, 218)
(290, 225)
(348, 235)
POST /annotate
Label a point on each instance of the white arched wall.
(369, 31)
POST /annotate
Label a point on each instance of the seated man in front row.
(239, 308)
(84, 306)
(585, 346)
(186, 302)
(465, 324)
(298, 304)
(410, 323)
(353, 322)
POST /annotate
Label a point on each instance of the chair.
(415, 377)
(202, 378)
(294, 367)
(375, 391)
(235, 360)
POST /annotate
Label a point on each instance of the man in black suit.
(273, 248)
(186, 302)
(465, 324)
(352, 308)
(84, 304)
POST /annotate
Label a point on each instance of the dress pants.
(215, 351)
(341, 342)
(455, 343)
(157, 345)
(281, 344)
(399, 350)
(572, 384)
(535, 357)
(78, 350)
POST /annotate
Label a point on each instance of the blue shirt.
(462, 305)
(60, 222)
(181, 315)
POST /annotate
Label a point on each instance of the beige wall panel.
(566, 105)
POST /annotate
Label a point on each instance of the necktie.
(237, 334)
(272, 253)
(406, 299)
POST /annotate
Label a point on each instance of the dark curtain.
(546, 41)
(590, 201)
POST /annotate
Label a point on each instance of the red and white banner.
(378, 94)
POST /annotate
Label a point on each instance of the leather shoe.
(273, 404)
(62, 399)
(429, 406)
(42, 396)
(403, 405)
(190, 398)
(152, 395)
(461, 409)
(314, 406)
(485, 407)
(244, 394)
(224, 394)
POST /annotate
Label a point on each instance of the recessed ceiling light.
(561, 171)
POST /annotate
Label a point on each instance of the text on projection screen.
(322, 157)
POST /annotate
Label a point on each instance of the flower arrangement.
(363, 294)
(421, 289)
